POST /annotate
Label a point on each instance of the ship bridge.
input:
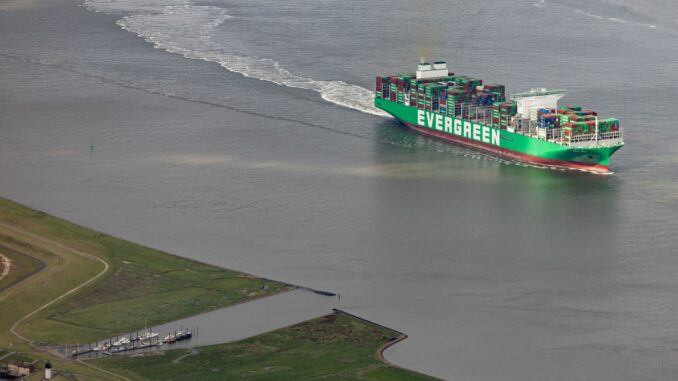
(536, 99)
(436, 70)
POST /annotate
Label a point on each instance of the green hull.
(500, 142)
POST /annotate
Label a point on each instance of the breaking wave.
(180, 27)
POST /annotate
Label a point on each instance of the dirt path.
(383, 347)
(6, 355)
(380, 351)
(55, 244)
(6, 265)
(85, 363)
(51, 302)
(191, 353)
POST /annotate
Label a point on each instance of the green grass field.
(23, 266)
(142, 285)
(342, 349)
(148, 287)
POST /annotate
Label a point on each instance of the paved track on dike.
(228, 324)
(52, 243)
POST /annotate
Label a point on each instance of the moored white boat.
(122, 341)
(148, 335)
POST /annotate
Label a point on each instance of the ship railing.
(553, 134)
(522, 126)
(468, 111)
(582, 138)
(611, 135)
(601, 136)
(474, 113)
(601, 139)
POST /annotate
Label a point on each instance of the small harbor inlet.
(220, 326)
(146, 340)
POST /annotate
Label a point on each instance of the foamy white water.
(494, 271)
(180, 27)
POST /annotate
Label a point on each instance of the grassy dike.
(119, 285)
(128, 284)
(336, 347)
(141, 283)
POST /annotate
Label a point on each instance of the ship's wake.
(187, 29)
(643, 13)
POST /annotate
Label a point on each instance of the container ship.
(527, 127)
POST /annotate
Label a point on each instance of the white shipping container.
(440, 65)
(426, 70)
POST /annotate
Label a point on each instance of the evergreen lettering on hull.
(463, 128)
(502, 142)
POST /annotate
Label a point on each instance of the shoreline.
(319, 333)
(29, 223)
(23, 230)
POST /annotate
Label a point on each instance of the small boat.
(169, 339)
(148, 335)
(184, 335)
(122, 341)
(143, 344)
(102, 347)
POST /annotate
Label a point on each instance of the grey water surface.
(240, 133)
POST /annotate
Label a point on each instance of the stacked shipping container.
(503, 113)
(446, 95)
(458, 95)
(577, 122)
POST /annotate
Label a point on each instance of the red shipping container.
(379, 84)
